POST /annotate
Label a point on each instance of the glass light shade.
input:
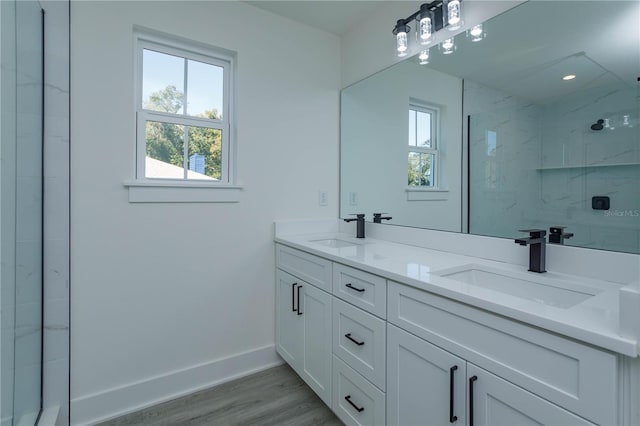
(425, 30)
(423, 57)
(476, 33)
(625, 121)
(401, 43)
(453, 14)
(448, 46)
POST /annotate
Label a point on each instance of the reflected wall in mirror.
(539, 150)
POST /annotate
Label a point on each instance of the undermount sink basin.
(334, 243)
(541, 289)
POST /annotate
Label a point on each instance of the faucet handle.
(535, 233)
(358, 216)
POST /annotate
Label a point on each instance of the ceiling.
(333, 16)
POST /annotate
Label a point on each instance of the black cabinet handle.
(359, 290)
(348, 399)
(348, 336)
(293, 297)
(471, 380)
(452, 417)
(299, 311)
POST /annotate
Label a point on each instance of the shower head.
(598, 125)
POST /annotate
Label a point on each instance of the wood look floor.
(276, 396)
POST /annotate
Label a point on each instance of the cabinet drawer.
(359, 340)
(355, 400)
(366, 291)
(312, 269)
(580, 378)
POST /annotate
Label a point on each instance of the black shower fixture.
(598, 125)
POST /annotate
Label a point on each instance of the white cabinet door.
(315, 310)
(496, 402)
(425, 384)
(289, 324)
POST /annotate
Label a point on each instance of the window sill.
(427, 194)
(174, 191)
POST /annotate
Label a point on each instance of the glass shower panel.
(28, 237)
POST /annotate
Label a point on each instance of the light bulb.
(448, 46)
(424, 57)
(476, 33)
(401, 43)
(426, 29)
(454, 18)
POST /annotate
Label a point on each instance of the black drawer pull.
(348, 399)
(299, 311)
(471, 380)
(348, 336)
(359, 290)
(293, 297)
(452, 417)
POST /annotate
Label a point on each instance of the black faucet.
(359, 225)
(378, 218)
(557, 235)
(537, 248)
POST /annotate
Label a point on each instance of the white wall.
(153, 307)
(374, 147)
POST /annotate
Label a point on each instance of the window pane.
(165, 150)
(204, 90)
(423, 137)
(421, 169)
(205, 153)
(412, 128)
(162, 82)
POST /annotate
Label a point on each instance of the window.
(184, 112)
(423, 144)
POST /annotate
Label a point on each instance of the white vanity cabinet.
(425, 385)
(430, 386)
(303, 319)
(383, 352)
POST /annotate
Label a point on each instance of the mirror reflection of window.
(423, 144)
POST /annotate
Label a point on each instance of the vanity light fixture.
(569, 77)
(430, 18)
(402, 42)
(476, 33)
(423, 57)
(425, 24)
(454, 14)
(447, 47)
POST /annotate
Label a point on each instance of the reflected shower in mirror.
(526, 129)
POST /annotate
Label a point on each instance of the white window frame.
(152, 189)
(434, 112)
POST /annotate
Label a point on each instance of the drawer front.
(359, 339)
(578, 377)
(366, 291)
(355, 400)
(312, 269)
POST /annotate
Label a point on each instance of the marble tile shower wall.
(28, 247)
(55, 368)
(504, 149)
(612, 160)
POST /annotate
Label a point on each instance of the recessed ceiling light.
(569, 77)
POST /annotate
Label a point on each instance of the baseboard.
(101, 406)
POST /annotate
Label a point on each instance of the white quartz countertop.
(594, 321)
